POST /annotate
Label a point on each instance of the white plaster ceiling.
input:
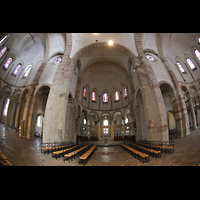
(80, 40)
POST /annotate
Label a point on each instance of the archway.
(190, 108)
(38, 110)
(141, 119)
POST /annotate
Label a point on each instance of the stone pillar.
(55, 115)
(112, 131)
(194, 121)
(99, 131)
(155, 113)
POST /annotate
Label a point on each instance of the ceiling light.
(110, 42)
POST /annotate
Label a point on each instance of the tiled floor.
(23, 152)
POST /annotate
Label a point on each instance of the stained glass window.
(17, 69)
(197, 53)
(151, 58)
(93, 96)
(7, 63)
(116, 96)
(190, 63)
(198, 39)
(125, 92)
(105, 97)
(27, 71)
(57, 60)
(3, 51)
(84, 92)
(3, 38)
(5, 110)
(180, 67)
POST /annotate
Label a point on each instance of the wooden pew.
(3, 160)
(137, 154)
(60, 153)
(87, 155)
(72, 155)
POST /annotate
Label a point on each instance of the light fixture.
(110, 42)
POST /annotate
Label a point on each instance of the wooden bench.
(151, 152)
(166, 149)
(72, 155)
(3, 160)
(54, 148)
(58, 154)
(87, 155)
(137, 154)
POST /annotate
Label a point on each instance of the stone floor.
(23, 152)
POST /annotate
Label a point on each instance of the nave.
(22, 152)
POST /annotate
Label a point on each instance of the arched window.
(105, 97)
(17, 69)
(180, 67)
(116, 96)
(5, 110)
(105, 123)
(197, 53)
(27, 71)
(3, 51)
(7, 63)
(93, 98)
(151, 58)
(198, 40)
(57, 60)
(190, 63)
(84, 92)
(3, 38)
(125, 92)
(39, 121)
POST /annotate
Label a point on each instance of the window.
(151, 58)
(105, 97)
(198, 40)
(125, 92)
(84, 121)
(17, 69)
(93, 96)
(3, 38)
(197, 53)
(126, 120)
(27, 71)
(191, 64)
(84, 92)
(57, 60)
(5, 110)
(180, 67)
(116, 96)
(7, 63)
(105, 123)
(3, 51)
(39, 121)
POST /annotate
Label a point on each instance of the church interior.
(99, 99)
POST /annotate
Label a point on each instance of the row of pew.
(135, 153)
(3, 160)
(71, 151)
(86, 156)
(164, 149)
(49, 149)
(143, 151)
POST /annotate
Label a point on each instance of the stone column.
(156, 118)
(55, 115)
(194, 121)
